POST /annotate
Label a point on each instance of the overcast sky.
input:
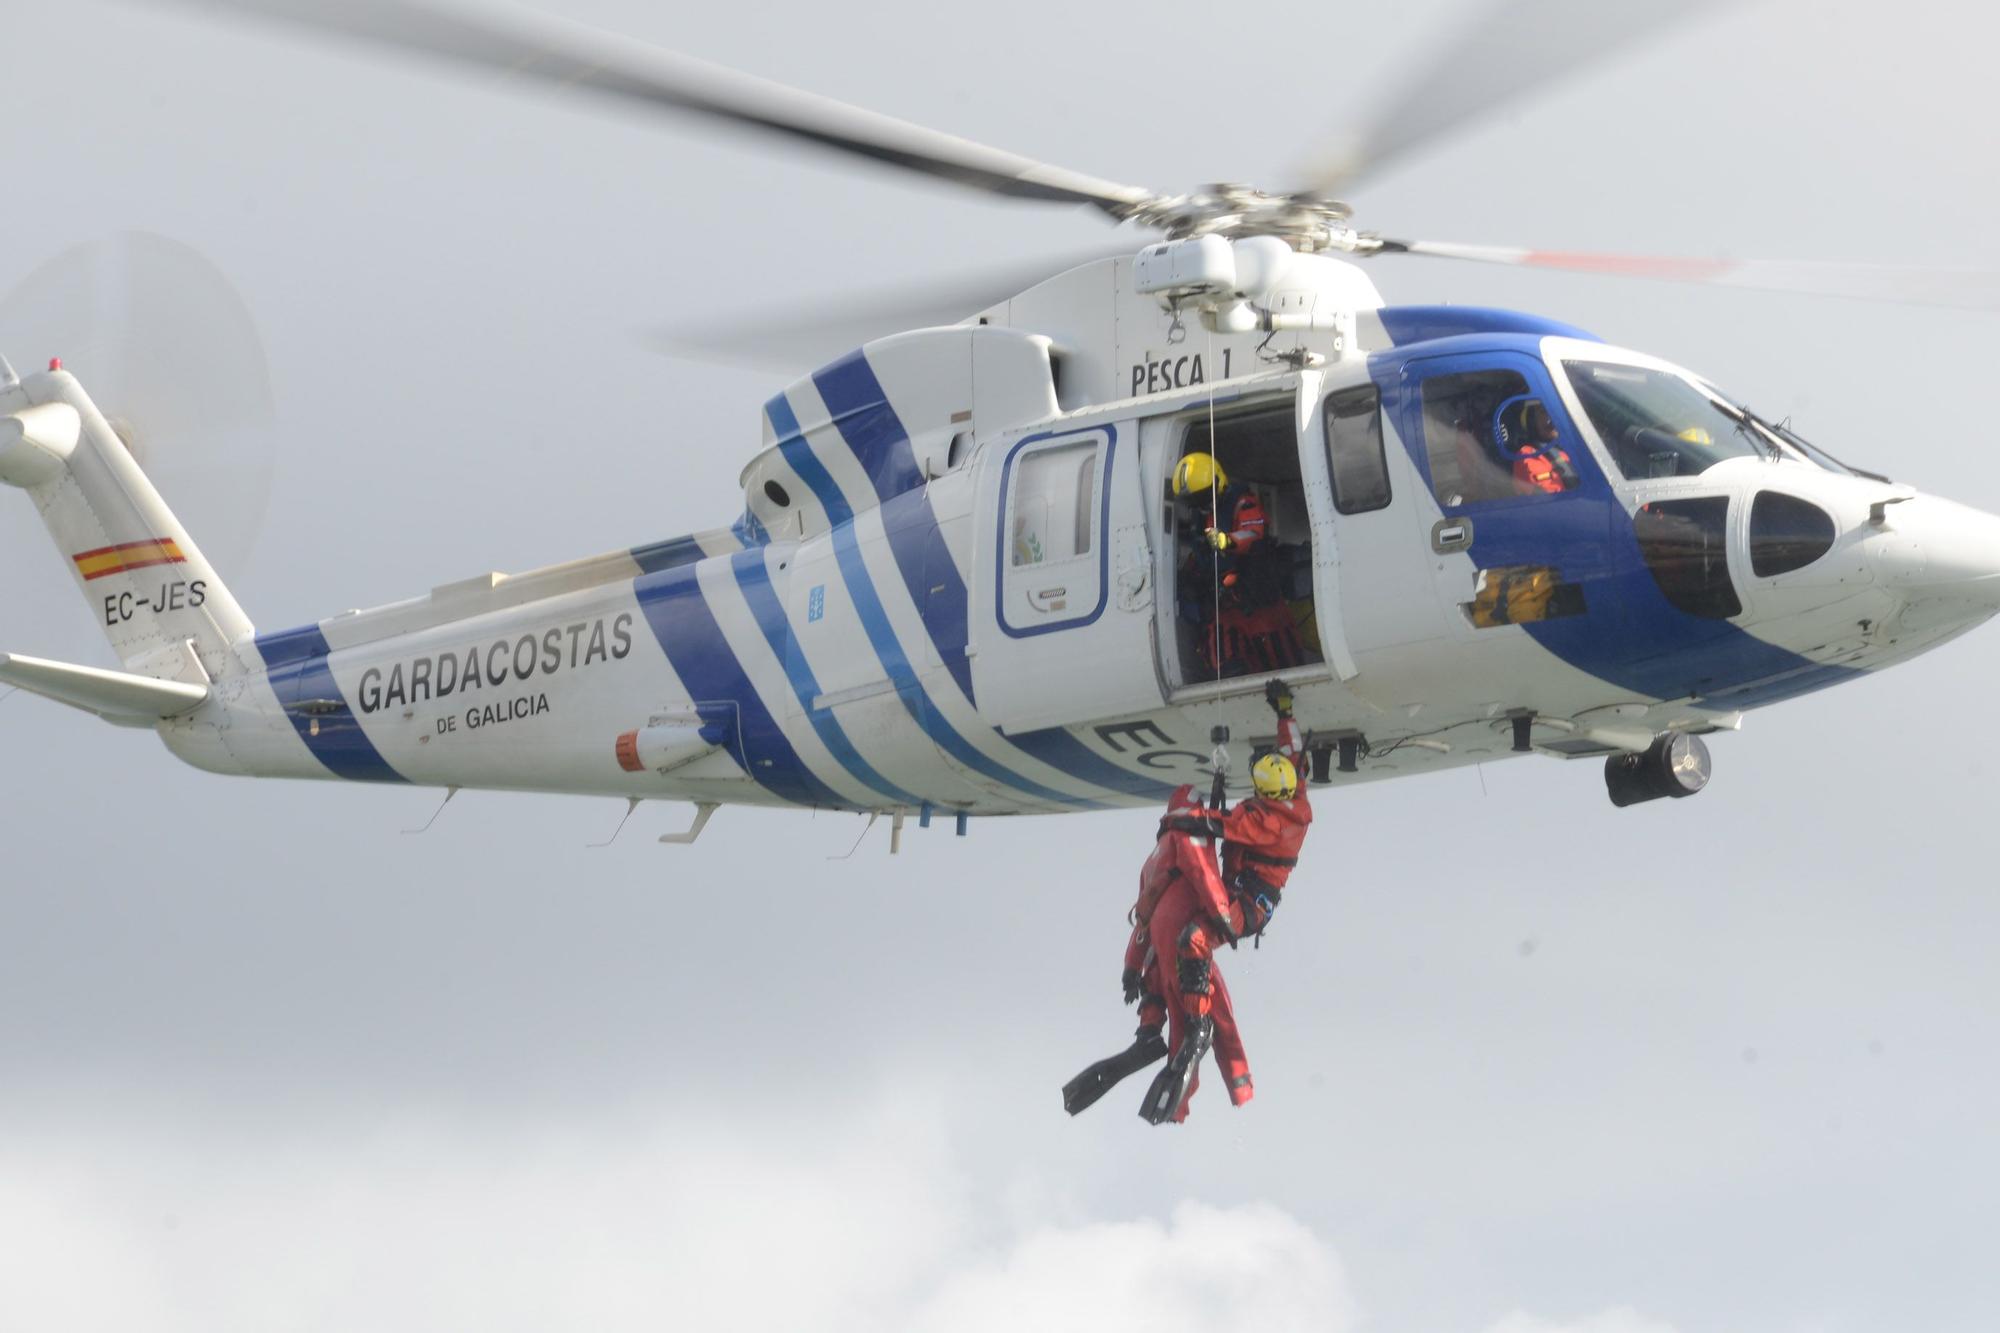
(1525, 1063)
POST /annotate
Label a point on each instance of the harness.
(1257, 895)
(1256, 857)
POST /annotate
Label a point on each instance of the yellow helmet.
(1696, 435)
(1198, 472)
(1274, 776)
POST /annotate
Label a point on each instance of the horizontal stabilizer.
(118, 695)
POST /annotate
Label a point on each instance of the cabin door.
(1063, 597)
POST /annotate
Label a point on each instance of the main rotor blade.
(570, 56)
(786, 338)
(1964, 289)
(1510, 52)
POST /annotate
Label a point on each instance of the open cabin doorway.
(1248, 610)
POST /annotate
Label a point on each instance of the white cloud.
(1618, 1319)
(1220, 1269)
(432, 1224)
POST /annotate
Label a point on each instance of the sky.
(1525, 1063)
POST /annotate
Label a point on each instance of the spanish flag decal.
(127, 556)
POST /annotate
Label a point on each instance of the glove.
(1220, 541)
(1279, 696)
(1131, 983)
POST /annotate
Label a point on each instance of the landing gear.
(1084, 1090)
(1674, 765)
(1170, 1088)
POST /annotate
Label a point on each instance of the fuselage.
(958, 584)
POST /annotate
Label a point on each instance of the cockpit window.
(1657, 424)
(1489, 436)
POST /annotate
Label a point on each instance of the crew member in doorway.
(1179, 889)
(1228, 585)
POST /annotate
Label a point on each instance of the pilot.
(1539, 463)
(1179, 886)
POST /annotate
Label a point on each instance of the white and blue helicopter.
(958, 584)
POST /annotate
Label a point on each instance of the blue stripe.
(931, 577)
(295, 663)
(862, 414)
(1409, 324)
(694, 643)
(1060, 749)
(753, 576)
(875, 621)
(872, 431)
(750, 530)
(673, 552)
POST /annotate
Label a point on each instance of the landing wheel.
(1674, 765)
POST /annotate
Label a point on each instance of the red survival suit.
(1262, 835)
(1180, 899)
(1261, 841)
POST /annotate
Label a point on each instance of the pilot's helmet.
(1522, 425)
(1197, 474)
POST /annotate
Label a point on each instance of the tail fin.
(147, 584)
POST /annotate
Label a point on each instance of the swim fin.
(1083, 1091)
(1170, 1088)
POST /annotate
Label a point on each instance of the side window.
(1054, 504)
(1489, 436)
(1354, 451)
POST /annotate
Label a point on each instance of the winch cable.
(1215, 519)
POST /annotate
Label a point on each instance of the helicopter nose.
(1939, 554)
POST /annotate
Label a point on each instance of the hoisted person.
(1261, 839)
(1186, 908)
(1179, 887)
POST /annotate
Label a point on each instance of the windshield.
(1782, 431)
(1657, 423)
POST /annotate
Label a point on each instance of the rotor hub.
(1306, 222)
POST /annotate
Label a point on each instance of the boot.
(1170, 1088)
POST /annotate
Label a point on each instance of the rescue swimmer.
(1189, 901)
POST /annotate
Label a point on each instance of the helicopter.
(957, 585)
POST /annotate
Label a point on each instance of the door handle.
(1451, 534)
(1048, 599)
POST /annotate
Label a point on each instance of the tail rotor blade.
(169, 351)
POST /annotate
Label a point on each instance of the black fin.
(1083, 1091)
(1170, 1087)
